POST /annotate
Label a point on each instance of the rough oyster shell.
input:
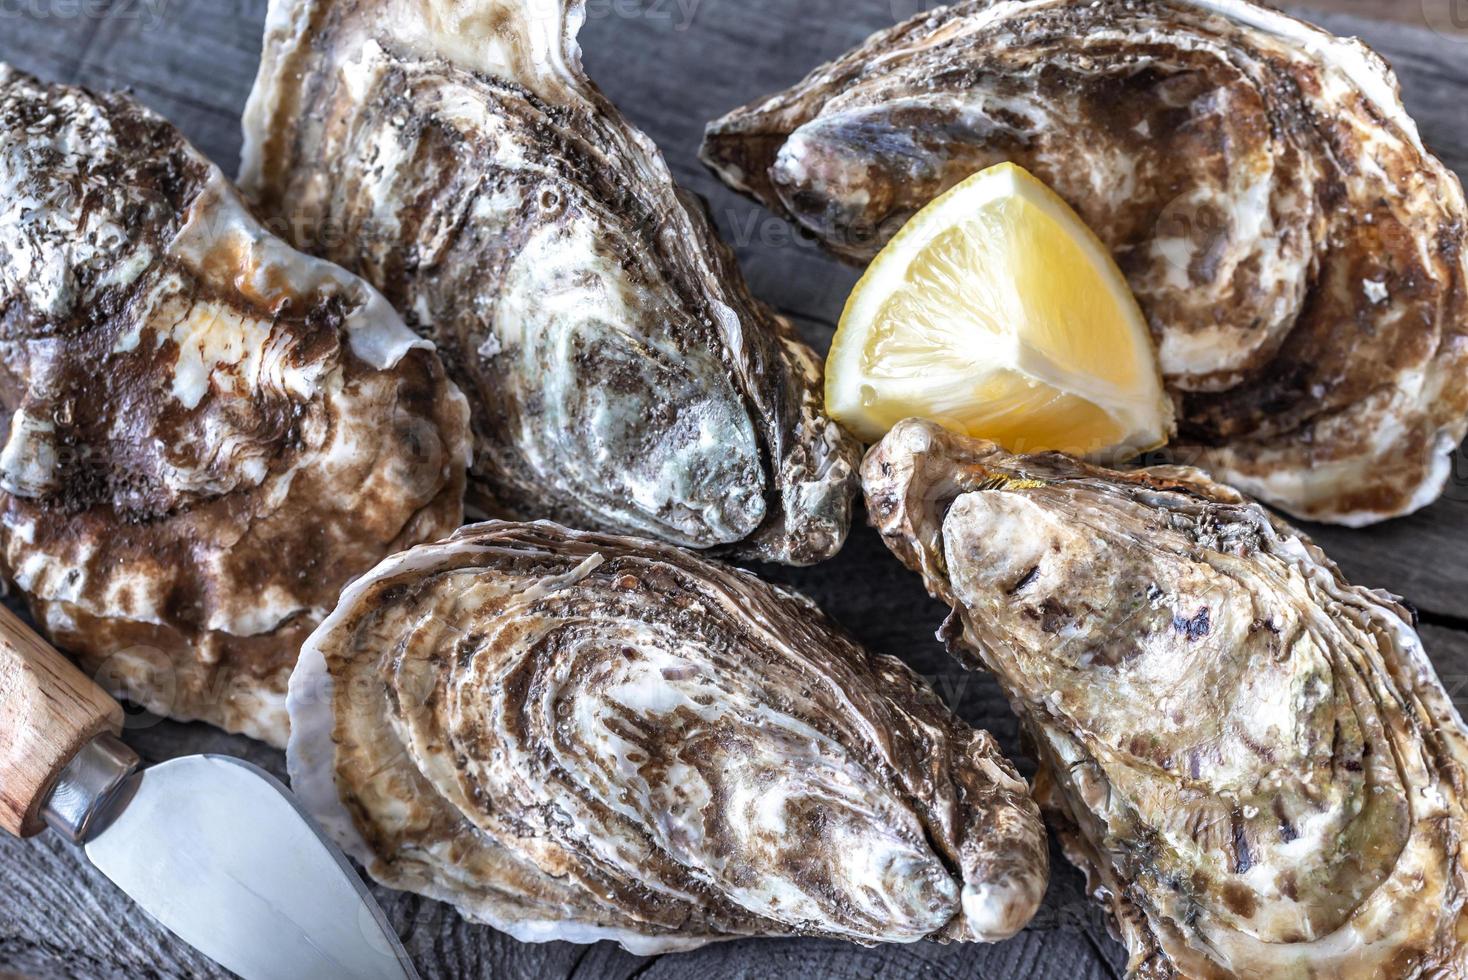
(580, 736)
(622, 377)
(1298, 252)
(1253, 760)
(208, 432)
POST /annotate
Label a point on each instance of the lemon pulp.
(996, 312)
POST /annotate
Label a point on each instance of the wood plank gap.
(643, 968)
(1442, 620)
(575, 966)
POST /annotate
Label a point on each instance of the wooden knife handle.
(48, 710)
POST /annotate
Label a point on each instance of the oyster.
(1252, 759)
(1299, 253)
(621, 375)
(580, 736)
(208, 432)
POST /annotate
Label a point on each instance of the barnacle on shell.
(572, 735)
(208, 433)
(1298, 252)
(621, 375)
(1252, 759)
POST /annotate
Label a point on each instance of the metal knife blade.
(217, 851)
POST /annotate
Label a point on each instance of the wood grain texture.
(672, 65)
(48, 710)
(1445, 16)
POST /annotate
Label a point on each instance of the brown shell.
(1252, 759)
(1298, 252)
(579, 736)
(209, 433)
(621, 375)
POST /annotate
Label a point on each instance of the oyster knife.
(212, 847)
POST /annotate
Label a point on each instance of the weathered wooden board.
(672, 65)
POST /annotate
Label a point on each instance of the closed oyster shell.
(455, 154)
(208, 432)
(579, 736)
(1252, 759)
(1298, 252)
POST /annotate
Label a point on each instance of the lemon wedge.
(997, 313)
